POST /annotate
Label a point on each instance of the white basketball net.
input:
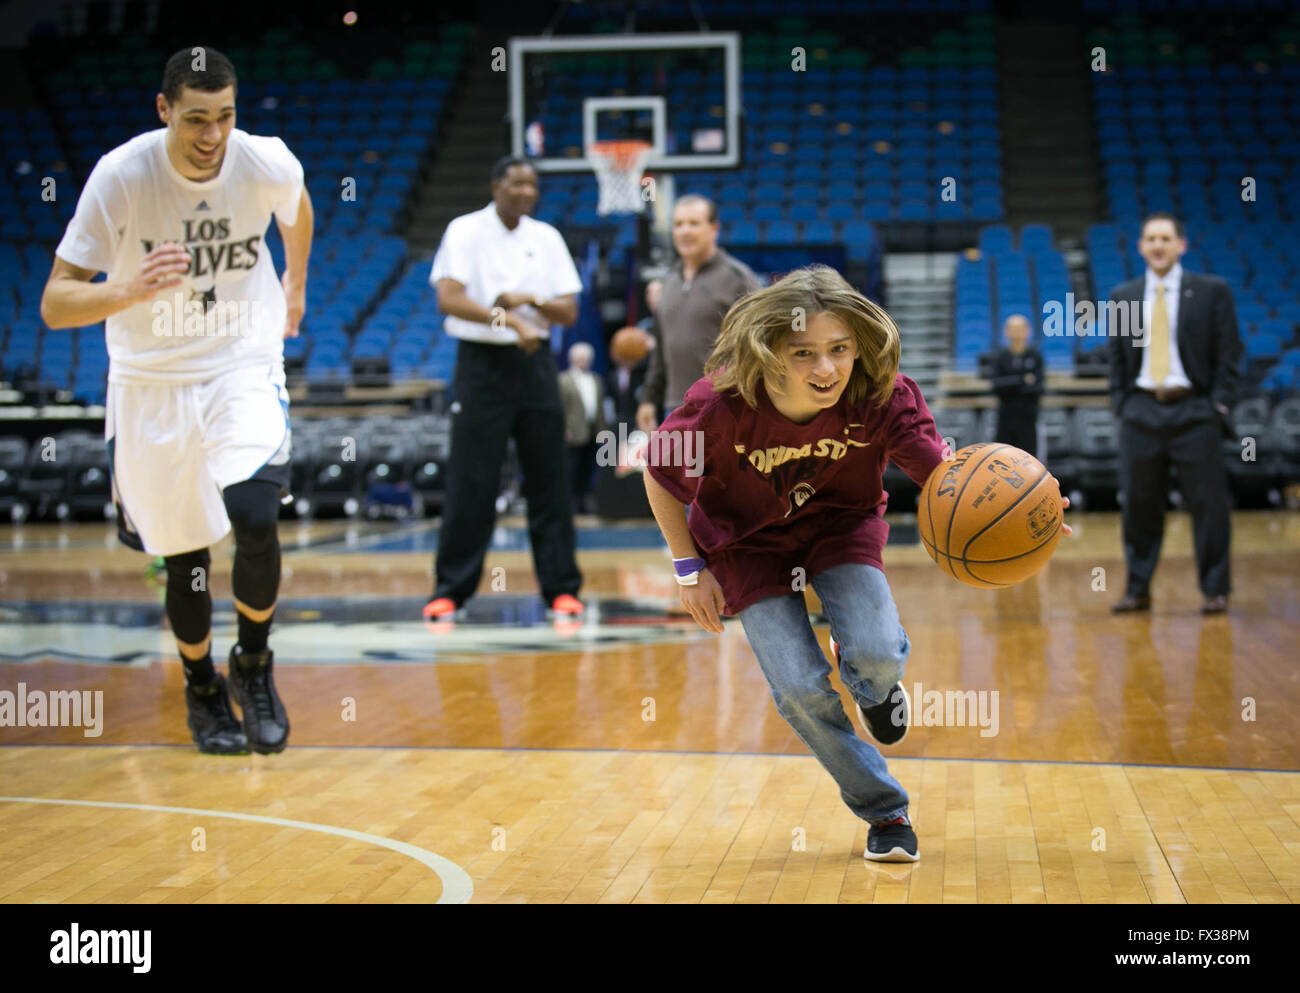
(619, 166)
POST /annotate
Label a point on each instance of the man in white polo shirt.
(502, 279)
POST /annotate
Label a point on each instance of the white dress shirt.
(488, 259)
(586, 383)
(1173, 284)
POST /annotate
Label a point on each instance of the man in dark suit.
(623, 388)
(583, 397)
(1171, 387)
(1017, 376)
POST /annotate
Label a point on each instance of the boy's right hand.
(705, 602)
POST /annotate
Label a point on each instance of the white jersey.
(229, 310)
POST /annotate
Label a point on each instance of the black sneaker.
(265, 722)
(894, 841)
(212, 723)
(886, 723)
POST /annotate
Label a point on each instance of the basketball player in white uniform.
(198, 417)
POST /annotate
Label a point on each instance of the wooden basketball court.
(632, 757)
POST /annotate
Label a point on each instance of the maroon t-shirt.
(774, 496)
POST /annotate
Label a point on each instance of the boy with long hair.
(799, 409)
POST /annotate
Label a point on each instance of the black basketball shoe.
(887, 721)
(212, 723)
(265, 722)
(892, 842)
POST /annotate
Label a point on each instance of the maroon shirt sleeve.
(684, 445)
(911, 438)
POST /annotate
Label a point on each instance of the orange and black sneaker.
(565, 604)
(892, 841)
(439, 608)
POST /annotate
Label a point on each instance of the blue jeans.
(873, 652)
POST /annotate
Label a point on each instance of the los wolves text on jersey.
(229, 310)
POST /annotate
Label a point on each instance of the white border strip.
(591, 106)
(728, 41)
(457, 886)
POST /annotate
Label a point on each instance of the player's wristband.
(688, 570)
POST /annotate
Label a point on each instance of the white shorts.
(173, 449)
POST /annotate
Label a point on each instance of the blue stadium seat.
(817, 232)
(995, 239)
(780, 233)
(1035, 238)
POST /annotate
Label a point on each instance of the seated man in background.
(1018, 383)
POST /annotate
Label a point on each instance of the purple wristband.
(685, 567)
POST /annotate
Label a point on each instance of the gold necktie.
(1159, 343)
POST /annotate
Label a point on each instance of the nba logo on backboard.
(535, 139)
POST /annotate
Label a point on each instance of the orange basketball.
(629, 345)
(991, 516)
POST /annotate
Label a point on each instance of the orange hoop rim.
(622, 153)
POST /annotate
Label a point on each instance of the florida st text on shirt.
(775, 495)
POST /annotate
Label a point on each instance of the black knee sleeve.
(189, 599)
(254, 508)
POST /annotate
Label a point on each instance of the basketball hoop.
(619, 166)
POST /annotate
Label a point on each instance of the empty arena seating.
(862, 133)
(55, 477)
(1254, 457)
(834, 154)
(1060, 446)
(959, 425)
(13, 456)
(349, 276)
(1205, 122)
(1003, 281)
(406, 326)
(370, 464)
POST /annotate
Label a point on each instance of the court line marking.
(663, 751)
(457, 885)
